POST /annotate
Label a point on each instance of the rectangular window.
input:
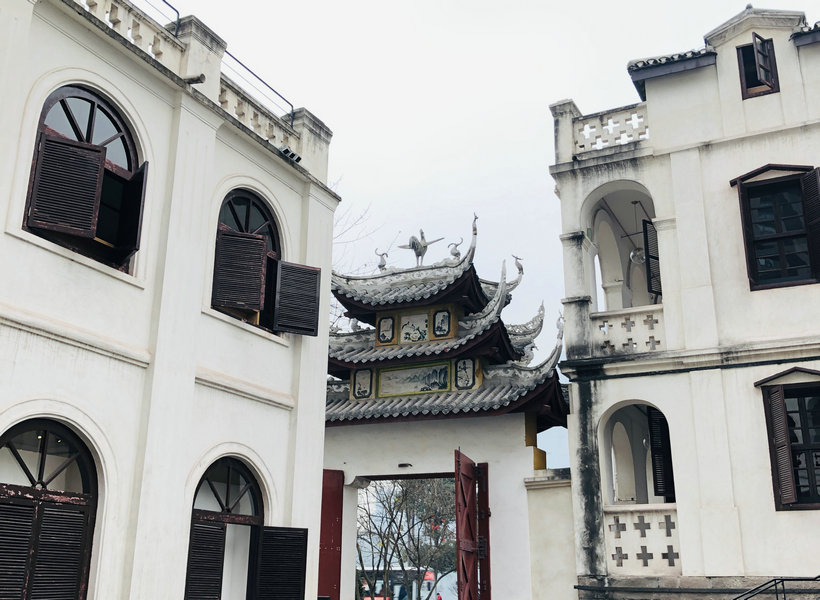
(781, 225)
(793, 424)
(758, 69)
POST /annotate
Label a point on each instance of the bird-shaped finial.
(419, 246)
(454, 251)
(382, 259)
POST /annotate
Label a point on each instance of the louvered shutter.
(130, 226)
(205, 558)
(661, 454)
(239, 270)
(763, 60)
(483, 500)
(296, 309)
(810, 184)
(466, 528)
(57, 571)
(780, 445)
(16, 523)
(282, 560)
(653, 264)
(65, 195)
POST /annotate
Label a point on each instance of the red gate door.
(472, 529)
(330, 536)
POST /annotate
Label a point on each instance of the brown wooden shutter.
(58, 568)
(330, 537)
(810, 183)
(483, 499)
(65, 195)
(282, 560)
(763, 60)
(660, 447)
(653, 264)
(16, 523)
(205, 558)
(466, 528)
(782, 467)
(296, 309)
(239, 270)
(130, 226)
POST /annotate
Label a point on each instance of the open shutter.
(330, 537)
(810, 183)
(296, 309)
(282, 560)
(205, 558)
(58, 572)
(16, 523)
(661, 454)
(239, 270)
(782, 466)
(466, 528)
(653, 264)
(130, 227)
(483, 499)
(65, 195)
(763, 60)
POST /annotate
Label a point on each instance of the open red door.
(472, 529)
(330, 537)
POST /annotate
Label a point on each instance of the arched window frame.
(277, 555)
(47, 532)
(250, 281)
(86, 190)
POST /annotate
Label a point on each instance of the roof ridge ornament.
(419, 246)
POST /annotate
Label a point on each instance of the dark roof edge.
(640, 74)
(804, 38)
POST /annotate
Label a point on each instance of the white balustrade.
(628, 331)
(610, 128)
(642, 540)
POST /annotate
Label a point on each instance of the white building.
(164, 240)
(691, 238)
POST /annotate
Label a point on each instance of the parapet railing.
(610, 128)
(265, 106)
(628, 331)
(776, 586)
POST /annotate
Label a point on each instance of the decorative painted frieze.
(440, 376)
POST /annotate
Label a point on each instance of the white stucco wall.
(157, 383)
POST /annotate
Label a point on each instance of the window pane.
(257, 220)
(68, 480)
(104, 127)
(58, 121)
(81, 109)
(240, 205)
(235, 566)
(226, 217)
(115, 152)
(10, 469)
(28, 446)
(205, 499)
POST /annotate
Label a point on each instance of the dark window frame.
(111, 232)
(779, 438)
(754, 60)
(804, 175)
(255, 285)
(56, 509)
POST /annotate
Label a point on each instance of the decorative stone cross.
(670, 555)
(617, 527)
(644, 556)
(650, 321)
(607, 346)
(605, 327)
(642, 525)
(619, 557)
(667, 524)
(629, 344)
(628, 324)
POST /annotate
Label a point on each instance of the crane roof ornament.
(419, 246)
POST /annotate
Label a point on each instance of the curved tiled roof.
(654, 61)
(503, 386)
(359, 347)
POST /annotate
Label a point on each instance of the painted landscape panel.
(414, 380)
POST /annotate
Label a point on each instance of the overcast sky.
(439, 108)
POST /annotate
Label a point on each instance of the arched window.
(86, 191)
(250, 281)
(231, 555)
(48, 494)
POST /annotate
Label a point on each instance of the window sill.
(77, 258)
(215, 314)
(780, 284)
